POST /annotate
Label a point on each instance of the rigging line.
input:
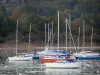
(69, 32)
(72, 36)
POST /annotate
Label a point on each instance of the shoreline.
(6, 52)
(8, 48)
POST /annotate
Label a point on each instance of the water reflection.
(62, 72)
(35, 68)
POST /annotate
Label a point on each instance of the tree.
(17, 12)
(2, 8)
(87, 6)
(3, 27)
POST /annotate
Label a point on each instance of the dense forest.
(39, 12)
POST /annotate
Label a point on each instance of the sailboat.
(60, 63)
(50, 55)
(86, 54)
(42, 53)
(25, 57)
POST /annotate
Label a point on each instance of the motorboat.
(48, 59)
(51, 57)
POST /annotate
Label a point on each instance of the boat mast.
(58, 35)
(70, 33)
(66, 32)
(52, 33)
(45, 35)
(58, 31)
(78, 38)
(91, 38)
(48, 35)
(16, 36)
(83, 34)
(29, 39)
(91, 45)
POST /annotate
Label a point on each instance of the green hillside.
(39, 12)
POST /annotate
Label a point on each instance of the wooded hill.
(39, 12)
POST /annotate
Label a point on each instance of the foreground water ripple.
(88, 67)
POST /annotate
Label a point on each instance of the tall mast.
(66, 32)
(78, 38)
(91, 39)
(52, 33)
(29, 39)
(70, 33)
(83, 34)
(58, 31)
(45, 35)
(50, 37)
(16, 36)
(48, 34)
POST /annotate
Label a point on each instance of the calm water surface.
(35, 68)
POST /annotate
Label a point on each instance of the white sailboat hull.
(85, 54)
(18, 58)
(67, 65)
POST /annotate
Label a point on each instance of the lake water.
(35, 68)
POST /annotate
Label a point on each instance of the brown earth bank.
(12, 43)
(8, 48)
